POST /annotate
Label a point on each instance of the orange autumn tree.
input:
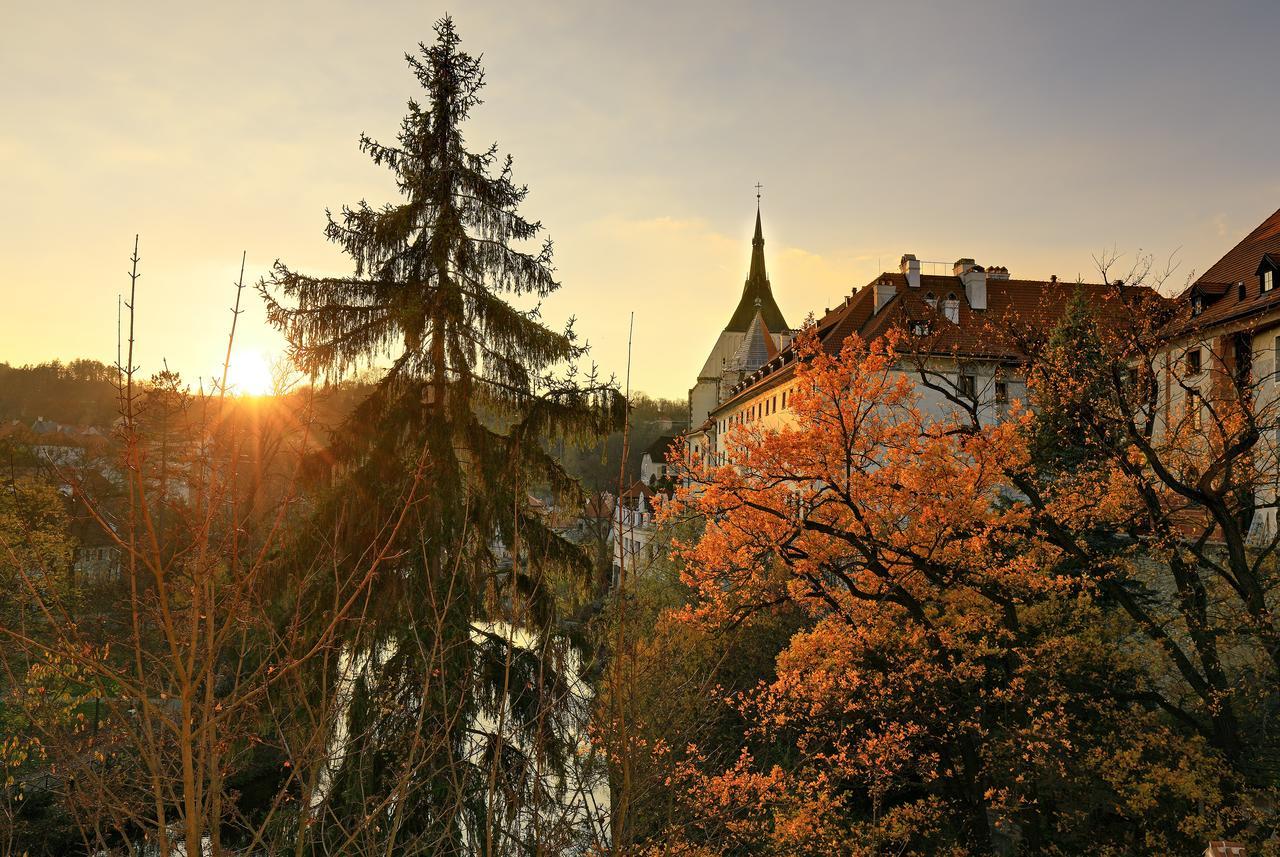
(943, 695)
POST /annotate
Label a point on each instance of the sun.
(249, 374)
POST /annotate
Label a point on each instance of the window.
(1243, 354)
(1193, 361)
(1132, 382)
(968, 386)
(1240, 290)
(931, 299)
(1268, 280)
(1197, 305)
(1002, 391)
(784, 400)
(920, 328)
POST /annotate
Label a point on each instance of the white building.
(632, 533)
(1226, 339)
(961, 330)
(755, 332)
(653, 464)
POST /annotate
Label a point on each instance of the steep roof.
(1218, 283)
(636, 495)
(599, 506)
(1241, 261)
(657, 450)
(1014, 307)
(757, 292)
(757, 346)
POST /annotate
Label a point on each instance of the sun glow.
(249, 374)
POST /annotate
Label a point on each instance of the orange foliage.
(943, 695)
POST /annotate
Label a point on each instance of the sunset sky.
(1030, 135)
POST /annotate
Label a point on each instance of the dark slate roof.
(657, 450)
(755, 289)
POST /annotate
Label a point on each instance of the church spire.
(757, 272)
(757, 291)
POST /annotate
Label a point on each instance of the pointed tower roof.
(757, 289)
(757, 346)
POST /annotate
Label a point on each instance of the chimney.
(997, 273)
(975, 282)
(910, 266)
(885, 291)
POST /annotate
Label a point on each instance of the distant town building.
(634, 529)
(956, 330)
(653, 464)
(756, 331)
(1228, 332)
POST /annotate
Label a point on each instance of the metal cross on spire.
(759, 187)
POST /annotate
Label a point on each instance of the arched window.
(931, 299)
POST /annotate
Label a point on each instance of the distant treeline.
(81, 392)
(596, 466)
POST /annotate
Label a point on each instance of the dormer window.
(951, 308)
(931, 299)
(1267, 271)
(1197, 305)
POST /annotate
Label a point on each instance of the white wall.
(767, 410)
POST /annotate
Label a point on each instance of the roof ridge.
(1272, 221)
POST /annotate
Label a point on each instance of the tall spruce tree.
(1063, 442)
(449, 444)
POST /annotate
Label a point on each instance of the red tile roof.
(1217, 285)
(1014, 309)
(636, 490)
(599, 506)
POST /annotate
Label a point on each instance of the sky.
(1025, 134)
